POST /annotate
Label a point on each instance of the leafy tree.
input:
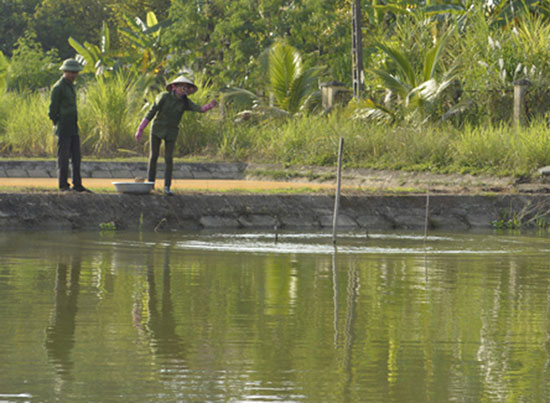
(14, 20)
(54, 21)
(119, 9)
(321, 31)
(31, 68)
(218, 35)
(227, 38)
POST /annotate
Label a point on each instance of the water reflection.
(153, 317)
(161, 324)
(335, 294)
(60, 333)
(352, 289)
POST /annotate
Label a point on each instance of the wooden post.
(427, 218)
(520, 112)
(338, 186)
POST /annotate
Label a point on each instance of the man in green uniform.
(167, 112)
(63, 114)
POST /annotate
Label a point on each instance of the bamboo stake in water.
(427, 213)
(338, 186)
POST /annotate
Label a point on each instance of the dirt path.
(100, 184)
(354, 182)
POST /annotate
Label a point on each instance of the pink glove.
(209, 106)
(141, 128)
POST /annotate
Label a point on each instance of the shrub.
(28, 132)
(30, 67)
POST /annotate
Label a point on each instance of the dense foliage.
(445, 67)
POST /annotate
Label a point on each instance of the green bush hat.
(71, 65)
(180, 80)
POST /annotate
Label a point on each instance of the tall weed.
(199, 131)
(25, 128)
(109, 113)
(237, 142)
(485, 148)
(531, 147)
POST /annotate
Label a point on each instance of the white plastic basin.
(134, 187)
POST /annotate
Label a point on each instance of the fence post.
(333, 93)
(520, 111)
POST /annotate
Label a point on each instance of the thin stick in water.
(338, 186)
(427, 213)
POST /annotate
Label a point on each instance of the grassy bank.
(108, 123)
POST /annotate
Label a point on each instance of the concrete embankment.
(73, 211)
(117, 169)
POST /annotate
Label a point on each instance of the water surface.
(390, 317)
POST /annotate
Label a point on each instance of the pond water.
(388, 317)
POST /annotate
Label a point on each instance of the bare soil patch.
(178, 185)
(319, 179)
(383, 182)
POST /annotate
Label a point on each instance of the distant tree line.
(225, 37)
(424, 60)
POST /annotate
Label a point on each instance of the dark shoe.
(82, 189)
(65, 189)
(167, 191)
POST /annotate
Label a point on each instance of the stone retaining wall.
(108, 169)
(73, 211)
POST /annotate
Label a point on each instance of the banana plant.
(144, 37)
(97, 59)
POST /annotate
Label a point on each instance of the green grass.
(110, 113)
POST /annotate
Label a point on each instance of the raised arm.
(208, 106)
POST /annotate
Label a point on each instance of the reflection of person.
(63, 114)
(161, 322)
(168, 109)
(60, 332)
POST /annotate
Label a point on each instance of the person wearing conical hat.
(167, 112)
(63, 114)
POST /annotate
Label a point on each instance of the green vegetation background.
(438, 79)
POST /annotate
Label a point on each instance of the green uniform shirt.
(63, 108)
(168, 109)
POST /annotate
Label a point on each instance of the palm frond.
(300, 88)
(402, 63)
(433, 55)
(285, 65)
(374, 111)
(289, 83)
(393, 83)
(238, 97)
